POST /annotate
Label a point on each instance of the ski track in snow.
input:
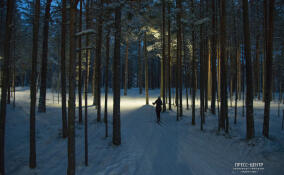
(172, 148)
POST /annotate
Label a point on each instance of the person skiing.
(158, 104)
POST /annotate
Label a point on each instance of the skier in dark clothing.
(158, 104)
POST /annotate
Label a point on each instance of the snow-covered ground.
(172, 148)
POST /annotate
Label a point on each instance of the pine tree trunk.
(180, 65)
(86, 84)
(5, 78)
(9, 84)
(161, 78)
(153, 76)
(224, 106)
(265, 28)
(231, 75)
(206, 73)
(33, 86)
(146, 70)
(249, 80)
(236, 69)
(63, 72)
(71, 100)
(94, 82)
(139, 68)
(193, 71)
(176, 82)
(268, 68)
(42, 97)
(206, 52)
(86, 106)
(209, 84)
(243, 87)
(169, 56)
(186, 91)
(14, 72)
(126, 69)
(106, 82)
(164, 53)
(80, 66)
(256, 74)
(280, 95)
(218, 72)
(201, 72)
(213, 59)
(116, 79)
(98, 61)
(282, 121)
(179, 61)
(186, 66)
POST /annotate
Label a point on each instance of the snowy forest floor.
(172, 148)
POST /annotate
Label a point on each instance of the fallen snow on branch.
(85, 32)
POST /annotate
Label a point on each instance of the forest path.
(158, 150)
(174, 147)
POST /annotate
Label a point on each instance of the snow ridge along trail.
(172, 148)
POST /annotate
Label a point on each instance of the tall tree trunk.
(94, 82)
(256, 70)
(243, 86)
(86, 104)
(206, 77)
(169, 55)
(139, 68)
(176, 82)
(86, 84)
(63, 73)
(146, 69)
(98, 61)
(14, 70)
(153, 76)
(209, 75)
(206, 53)
(126, 69)
(161, 78)
(201, 72)
(249, 80)
(9, 84)
(230, 66)
(268, 68)
(236, 68)
(80, 66)
(186, 65)
(218, 71)
(116, 79)
(106, 81)
(265, 28)
(193, 67)
(164, 53)
(2, 6)
(5, 79)
(239, 70)
(71, 100)
(33, 85)
(179, 60)
(213, 59)
(224, 106)
(42, 96)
